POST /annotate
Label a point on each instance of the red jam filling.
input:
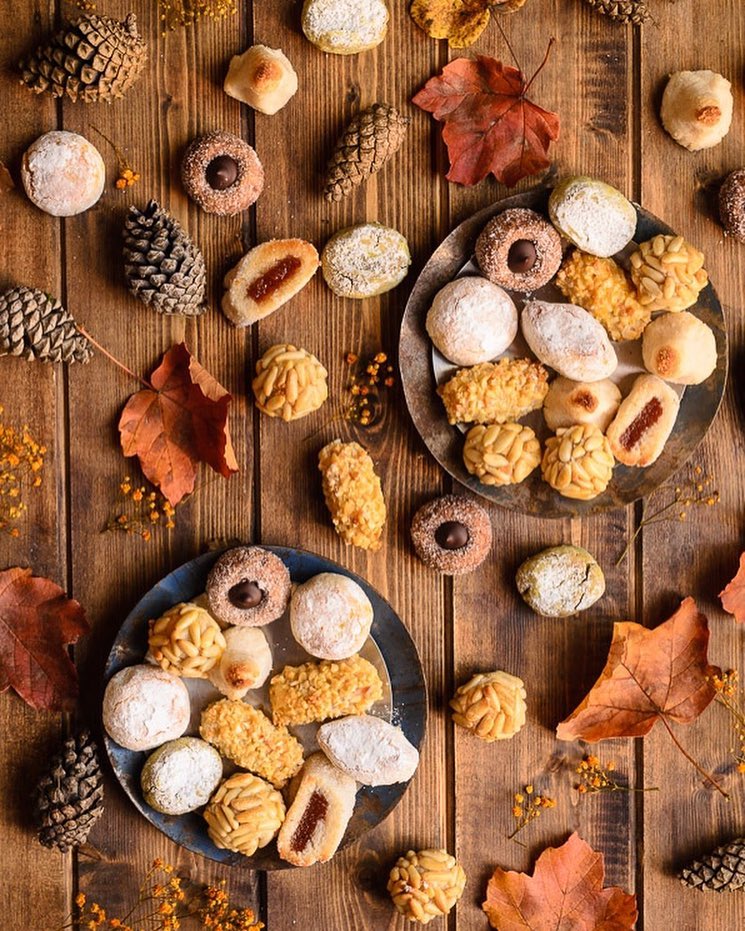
(315, 811)
(265, 285)
(646, 418)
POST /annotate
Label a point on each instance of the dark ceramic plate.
(389, 647)
(422, 369)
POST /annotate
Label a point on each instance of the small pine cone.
(34, 325)
(723, 870)
(635, 12)
(426, 884)
(163, 267)
(368, 142)
(93, 58)
(69, 797)
(491, 705)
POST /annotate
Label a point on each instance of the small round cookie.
(259, 806)
(578, 462)
(732, 205)
(471, 320)
(222, 173)
(679, 348)
(245, 663)
(144, 706)
(519, 250)
(365, 260)
(451, 534)
(560, 581)
(262, 77)
(345, 27)
(593, 215)
(501, 454)
(248, 587)
(330, 616)
(576, 402)
(63, 174)
(181, 775)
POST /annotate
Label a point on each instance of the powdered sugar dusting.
(569, 340)
(369, 749)
(596, 217)
(342, 24)
(63, 173)
(331, 616)
(365, 260)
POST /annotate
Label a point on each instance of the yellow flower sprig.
(526, 807)
(367, 377)
(21, 465)
(140, 511)
(595, 776)
(727, 695)
(162, 904)
(175, 13)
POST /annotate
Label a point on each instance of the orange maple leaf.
(489, 123)
(733, 595)
(180, 420)
(565, 893)
(37, 623)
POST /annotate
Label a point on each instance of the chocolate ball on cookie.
(222, 173)
(519, 250)
(248, 587)
(451, 534)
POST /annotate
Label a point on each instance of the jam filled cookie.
(644, 422)
(451, 534)
(222, 173)
(248, 587)
(519, 250)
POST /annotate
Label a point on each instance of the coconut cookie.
(248, 587)
(365, 260)
(330, 616)
(181, 775)
(222, 173)
(345, 27)
(519, 250)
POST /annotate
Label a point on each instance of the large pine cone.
(368, 142)
(723, 870)
(93, 58)
(34, 325)
(69, 797)
(162, 265)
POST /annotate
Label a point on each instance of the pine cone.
(162, 265)
(69, 797)
(93, 58)
(635, 12)
(723, 870)
(34, 325)
(368, 142)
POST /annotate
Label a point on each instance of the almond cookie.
(345, 27)
(330, 616)
(426, 884)
(578, 462)
(501, 454)
(679, 348)
(144, 706)
(369, 749)
(560, 581)
(319, 691)
(321, 809)
(494, 392)
(247, 737)
(244, 814)
(63, 174)
(669, 273)
(245, 663)
(181, 776)
(451, 534)
(577, 402)
(592, 215)
(248, 586)
(266, 278)
(290, 383)
(222, 173)
(365, 260)
(186, 641)
(353, 494)
(644, 422)
(491, 705)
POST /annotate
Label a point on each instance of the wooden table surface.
(605, 82)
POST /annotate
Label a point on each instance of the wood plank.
(687, 818)
(588, 82)
(179, 97)
(295, 145)
(33, 394)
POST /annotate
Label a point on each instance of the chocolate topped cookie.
(248, 587)
(451, 534)
(222, 173)
(519, 250)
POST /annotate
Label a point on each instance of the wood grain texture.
(699, 556)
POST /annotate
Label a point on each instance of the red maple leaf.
(37, 622)
(490, 125)
(733, 595)
(180, 420)
(565, 893)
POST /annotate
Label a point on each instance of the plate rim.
(416, 369)
(261, 861)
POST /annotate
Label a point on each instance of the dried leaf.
(733, 596)
(489, 124)
(650, 675)
(461, 22)
(565, 893)
(178, 423)
(6, 181)
(37, 623)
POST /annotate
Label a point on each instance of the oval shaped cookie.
(365, 260)
(569, 340)
(345, 27)
(369, 749)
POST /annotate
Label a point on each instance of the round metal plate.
(421, 371)
(390, 648)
